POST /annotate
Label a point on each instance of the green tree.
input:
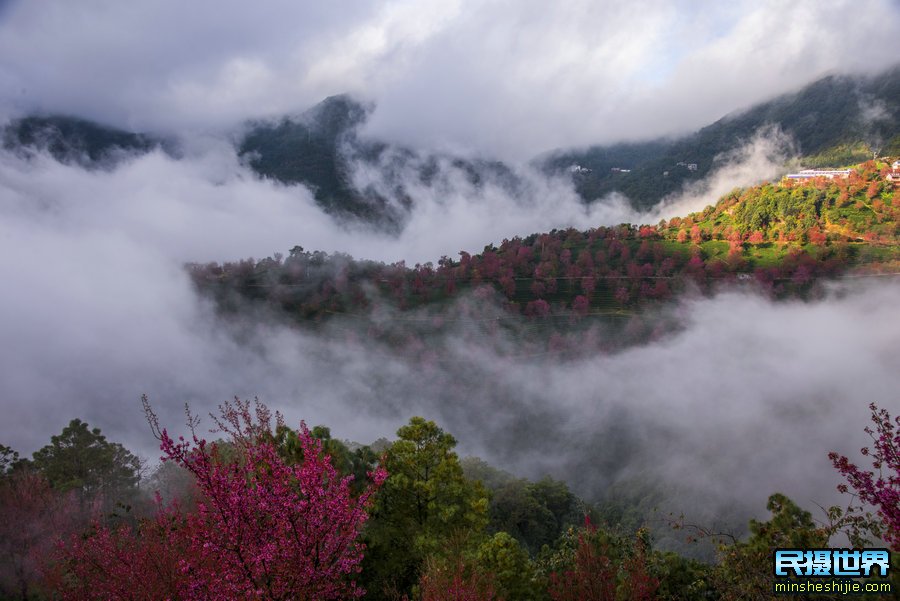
(426, 501)
(745, 571)
(81, 459)
(512, 571)
(535, 513)
(8, 460)
(356, 462)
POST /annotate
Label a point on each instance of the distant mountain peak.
(338, 114)
(74, 140)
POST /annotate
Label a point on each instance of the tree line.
(267, 511)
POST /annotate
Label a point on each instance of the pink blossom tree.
(263, 528)
(879, 487)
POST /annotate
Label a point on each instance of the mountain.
(781, 239)
(321, 149)
(308, 150)
(75, 140)
(836, 120)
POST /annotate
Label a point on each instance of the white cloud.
(505, 77)
(97, 308)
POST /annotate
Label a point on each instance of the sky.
(96, 308)
(508, 78)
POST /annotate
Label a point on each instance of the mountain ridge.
(834, 120)
(833, 112)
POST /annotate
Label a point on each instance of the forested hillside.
(268, 511)
(835, 121)
(780, 239)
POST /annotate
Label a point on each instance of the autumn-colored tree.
(696, 235)
(879, 487)
(263, 529)
(873, 190)
(816, 236)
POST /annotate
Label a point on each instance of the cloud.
(745, 398)
(759, 159)
(97, 308)
(501, 77)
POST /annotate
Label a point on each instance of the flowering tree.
(881, 487)
(263, 529)
(32, 517)
(145, 563)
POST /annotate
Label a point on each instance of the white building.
(814, 173)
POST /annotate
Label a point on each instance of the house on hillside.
(808, 174)
(894, 175)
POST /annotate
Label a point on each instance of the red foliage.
(873, 190)
(647, 231)
(595, 575)
(537, 308)
(508, 284)
(263, 529)
(696, 235)
(33, 517)
(581, 305)
(441, 584)
(881, 487)
(816, 236)
(144, 564)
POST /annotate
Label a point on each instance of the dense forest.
(268, 511)
(574, 287)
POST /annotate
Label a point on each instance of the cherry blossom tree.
(263, 528)
(879, 487)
